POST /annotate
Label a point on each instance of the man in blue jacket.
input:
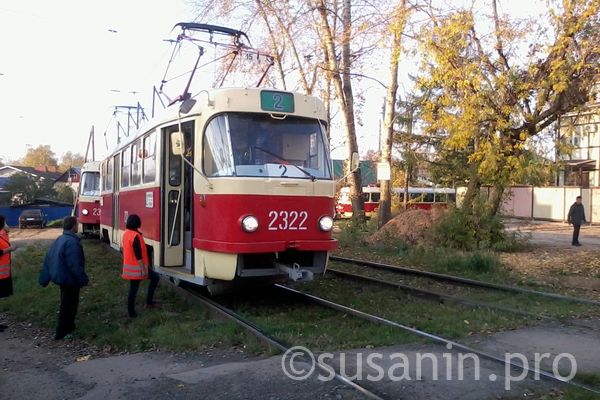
(65, 266)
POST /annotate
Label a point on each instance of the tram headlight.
(250, 223)
(85, 212)
(326, 223)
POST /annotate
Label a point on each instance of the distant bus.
(419, 198)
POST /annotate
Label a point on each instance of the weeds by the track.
(574, 393)
(523, 302)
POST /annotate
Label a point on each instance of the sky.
(64, 65)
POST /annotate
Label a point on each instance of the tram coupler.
(295, 273)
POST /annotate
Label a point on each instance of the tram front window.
(90, 184)
(257, 145)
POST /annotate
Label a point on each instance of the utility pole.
(91, 144)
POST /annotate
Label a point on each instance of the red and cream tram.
(237, 187)
(418, 198)
(88, 199)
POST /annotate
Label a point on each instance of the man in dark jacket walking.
(65, 266)
(576, 217)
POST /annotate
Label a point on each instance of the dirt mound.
(409, 227)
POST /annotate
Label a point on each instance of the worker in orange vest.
(136, 265)
(6, 285)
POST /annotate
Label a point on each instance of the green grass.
(181, 325)
(591, 380)
(449, 320)
(102, 318)
(523, 302)
(56, 223)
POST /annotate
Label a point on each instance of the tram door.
(116, 237)
(172, 235)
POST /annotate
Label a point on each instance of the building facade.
(580, 131)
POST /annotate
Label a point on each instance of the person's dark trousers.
(134, 286)
(154, 278)
(576, 228)
(69, 302)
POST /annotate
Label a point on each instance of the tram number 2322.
(288, 220)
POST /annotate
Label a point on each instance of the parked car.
(32, 218)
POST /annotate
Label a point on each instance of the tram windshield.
(257, 145)
(90, 184)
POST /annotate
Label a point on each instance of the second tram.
(88, 199)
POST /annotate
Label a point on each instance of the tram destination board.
(276, 101)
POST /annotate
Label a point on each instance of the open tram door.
(177, 213)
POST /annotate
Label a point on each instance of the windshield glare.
(90, 184)
(260, 146)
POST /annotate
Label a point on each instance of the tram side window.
(108, 177)
(125, 164)
(103, 175)
(149, 158)
(375, 197)
(441, 198)
(136, 163)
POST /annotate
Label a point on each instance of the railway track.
(463, 281)
(267, 338)
(262, 334)
(433, 337)
(446, 298)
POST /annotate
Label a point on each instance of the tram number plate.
(96, 212)
(288, 220)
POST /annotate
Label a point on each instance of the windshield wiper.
(305, 172)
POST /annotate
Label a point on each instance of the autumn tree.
(65, 194)
(339, 71)
(492, 92)
(41, 155)
(395, 28)
(70, 160)
(26, 188)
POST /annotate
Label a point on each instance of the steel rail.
(429, 294)
(435, 295)
(450, 344)
(261, 334)
(465, 281)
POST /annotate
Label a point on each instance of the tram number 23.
(288, 220)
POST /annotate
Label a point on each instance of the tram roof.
(91, 166)
(232, 100)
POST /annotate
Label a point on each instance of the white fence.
(545, 203)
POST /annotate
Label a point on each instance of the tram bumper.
(287, 265)
(299, 260)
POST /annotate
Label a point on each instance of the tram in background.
(236, 187)
(88, 199)
(418, 198)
